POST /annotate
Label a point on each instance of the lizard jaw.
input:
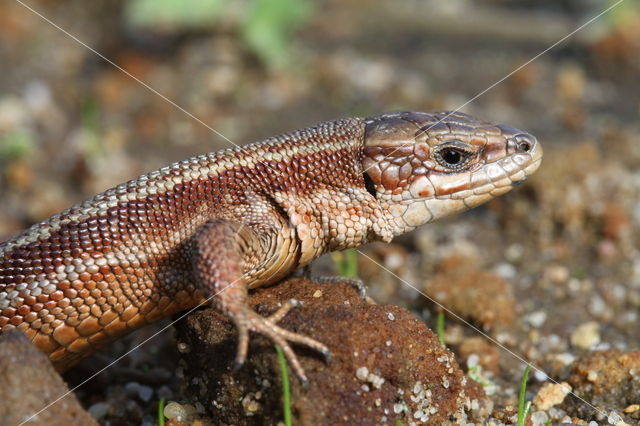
(479, 186)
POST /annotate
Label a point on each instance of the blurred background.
(552, 270)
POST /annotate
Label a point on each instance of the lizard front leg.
(226, 254)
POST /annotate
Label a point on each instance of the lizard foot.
(249, 320)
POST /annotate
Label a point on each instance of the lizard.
(220, 224)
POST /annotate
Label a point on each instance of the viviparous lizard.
(228, 221)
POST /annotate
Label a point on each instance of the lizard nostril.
(524, 142)
(524, 146)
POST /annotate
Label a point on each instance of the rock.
(607, 379)
(29, 383)
(586, 335)
(536, 319)
(183, 413)
(632, 408)
(488, 353)
(551, 394)
(382, 370)
(481, 296)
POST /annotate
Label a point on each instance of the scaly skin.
(228, 221)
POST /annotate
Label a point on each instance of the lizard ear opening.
(369, 185)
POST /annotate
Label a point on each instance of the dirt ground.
(549, 273)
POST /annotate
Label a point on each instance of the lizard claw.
(354, 282)
(250, 320)
(243, 344)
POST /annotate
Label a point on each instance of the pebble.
(615, 419)
(536, 319)
(514, 253)
(565, 358)
(141, 391)
(506, 271)
(597, 306)
(551, 394)
(557, 274)
(362, 373)
(179, 412)
(556, 413)
(540, 376)
(99, 410)
(586, 335)
(539, 418)
(165, 392)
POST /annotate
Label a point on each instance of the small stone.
(317, 294)
(551, 394)
(183, 348)
(179, 412)
(632, 408)
(556, 413)
(514, 253)
(506, 271)
(145, 393)
(536, 319)
(614, 418)
(565, 358)
(540, 376)
(586, 335)
(391, 316)
(250, 405)
(141, 391)
(362, 373)
(99, 410)
(539, 418)
(597, 306)
(557, 274)
(375, 380)
(473, 360)
(165, 392)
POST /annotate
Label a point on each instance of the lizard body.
(224, 222)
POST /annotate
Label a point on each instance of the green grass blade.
(161, 412)
(440, 327)
(523, 406)
(346, 262)
(286, 388)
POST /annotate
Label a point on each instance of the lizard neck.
(331, 208)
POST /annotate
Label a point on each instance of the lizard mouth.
(494, 178)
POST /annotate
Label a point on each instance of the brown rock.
(29, 383)
(488, 353)
(551, 394)
(607, 379)
(386, 366)
(481, 296)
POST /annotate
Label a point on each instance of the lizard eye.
(452, 156)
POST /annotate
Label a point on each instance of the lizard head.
(421, 167)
